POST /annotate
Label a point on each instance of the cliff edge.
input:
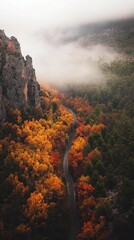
(18, 85)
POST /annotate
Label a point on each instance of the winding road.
(70, 185)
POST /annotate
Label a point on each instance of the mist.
(67, 63)
(50, 32)
(61, 58)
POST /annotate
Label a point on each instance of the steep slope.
(117, 35)
(18, 85)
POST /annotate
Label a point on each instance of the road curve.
(70, 185)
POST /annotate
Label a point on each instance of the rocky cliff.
(18, 85)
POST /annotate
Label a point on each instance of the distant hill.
(119, 35)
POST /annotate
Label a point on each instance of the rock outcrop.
(18, 85)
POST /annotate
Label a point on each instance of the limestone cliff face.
(18, 85)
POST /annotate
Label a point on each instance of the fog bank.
(48, 31)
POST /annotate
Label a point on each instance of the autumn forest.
(34, 196)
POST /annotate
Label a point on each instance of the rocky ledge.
(18, 85)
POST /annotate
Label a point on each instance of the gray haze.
(48, 30)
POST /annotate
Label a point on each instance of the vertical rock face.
(18, 85)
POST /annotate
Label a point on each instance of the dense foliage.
(101, 158)
(34, 202)
(33, 193)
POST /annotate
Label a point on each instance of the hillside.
(116, 34)
(106, 155)
(86, 125)
(34, 131)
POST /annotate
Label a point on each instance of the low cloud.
(50, 14)
(67, 63)
(48, 31)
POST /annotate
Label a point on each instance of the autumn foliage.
(31, 152)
